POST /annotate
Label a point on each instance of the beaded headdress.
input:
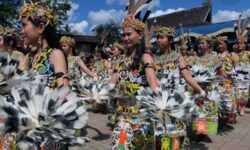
(67, 40)
(221, 39)
(133, 15)
(204, 37)
(164, 31)
(118, 46)
(9, 32)
(37, 11)
(136, 24)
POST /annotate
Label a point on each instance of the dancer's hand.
(203, 93)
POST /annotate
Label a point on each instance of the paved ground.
(235, 137)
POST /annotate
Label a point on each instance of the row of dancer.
(150, 94)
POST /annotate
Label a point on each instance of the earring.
(39, 42)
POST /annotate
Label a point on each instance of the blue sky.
(88, 13)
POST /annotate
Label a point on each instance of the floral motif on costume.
(241, 77)
(44, 67)
(209, 61)
(130, 80)
(74, 72)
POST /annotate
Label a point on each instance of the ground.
(233, 137)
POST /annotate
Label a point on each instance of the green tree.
(108, 33)
(61, 9)
(9, 12)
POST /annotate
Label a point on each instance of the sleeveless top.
(167, 66)
(167, 61)
(44, 68)
(130, 80)
(227, 62)
(74, 72)
(244, 58)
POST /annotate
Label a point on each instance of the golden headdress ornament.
(204, 37)
(242, 29)
(133, 14)
(37, 11)
(7, 31)
(136, 24)
(118, 46)
(67, 40)
(164, 31)
(220, 39)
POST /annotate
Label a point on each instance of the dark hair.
(138, 54)
(10, 41)
(49, 33)
(171, 38)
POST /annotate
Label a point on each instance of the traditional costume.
(204, 72)
(130, 130)
(39, 116)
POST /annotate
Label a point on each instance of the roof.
(190, 17)
(86, 38)
(210, 29)
(82, 38)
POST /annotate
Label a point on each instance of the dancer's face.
(66, 48)
(116, 52)
(241, 45)
(222, 46)
(203, 46)
(31, 32)
(131, 37)
(184, 51)
(163, 42)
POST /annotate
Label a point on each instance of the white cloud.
(120, 2)
(104, 16)
(79, 27)
(71, 13)
(226, 15)
(155, 3)
(168, 11)
(109, 2)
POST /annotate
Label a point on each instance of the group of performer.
(153, 98)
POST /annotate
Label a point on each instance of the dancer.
(39, 24)
(76, 67)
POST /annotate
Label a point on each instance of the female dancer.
(8, 45)
(39, 24)
(74, 63)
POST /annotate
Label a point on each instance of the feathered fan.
(241, 72)
(94, 90)
(164, 105)
(8, 66)
(37, 114)
(202, 73)
(221, 98)
(172, 80)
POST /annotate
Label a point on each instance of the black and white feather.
(92, 90)
(222, 99)
(172, 80)
(202, 73)
(8, 65)
(38, 114)
(241, 72)
(177, 104)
